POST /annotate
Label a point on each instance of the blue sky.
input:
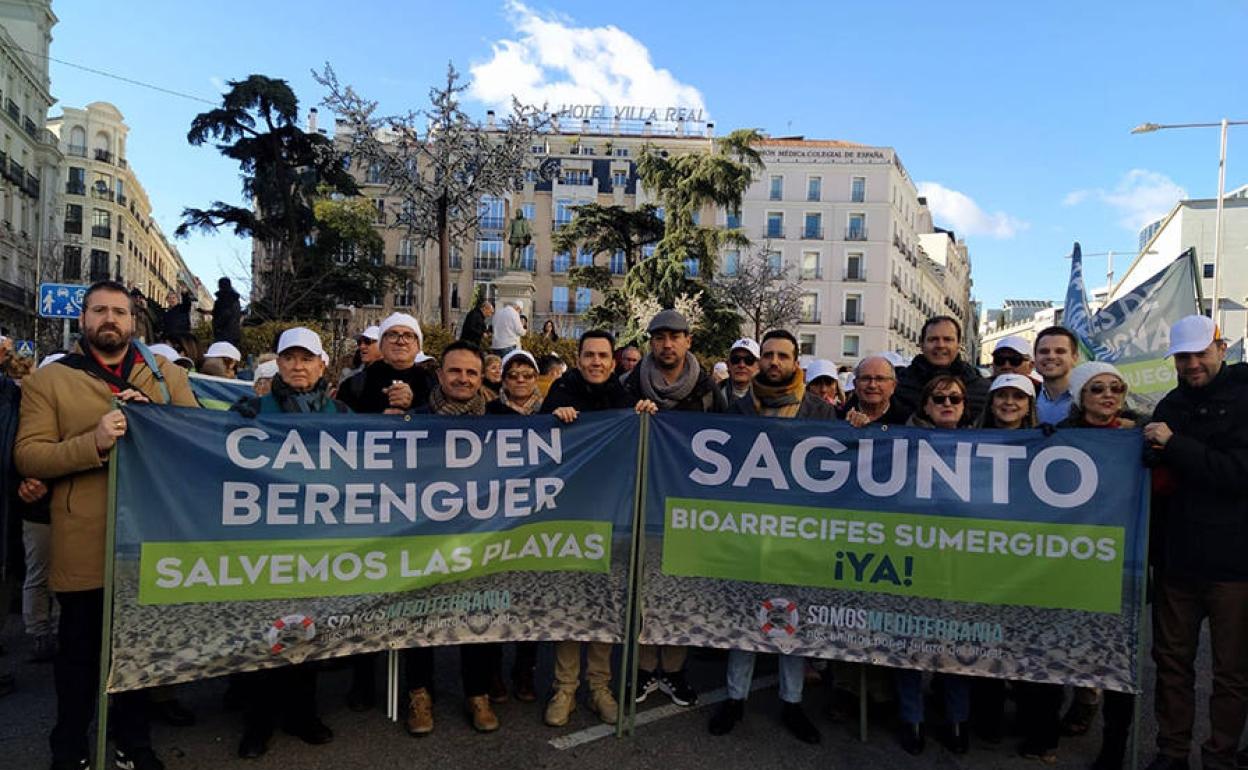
(1015, 116)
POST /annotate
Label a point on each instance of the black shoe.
(71, 764)
(137, 759)
(1045, 754)
(254, 743)
(42, 648)
(726, 716)
(647, 682)
(361, 697)
(1163, 762)
(171, 713)
(676, 687)
(311, 731)
(958, 739)
(913, 738)
(1078, 719)
(797, 723)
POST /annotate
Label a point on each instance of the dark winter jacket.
(362, 392)
(1203, 523)
(704, 397)
(896, 414)
(177, 319)
(474, 327)
(572, 390)
(227, 317)
(911, 381)
(281, 399)
(811, 408)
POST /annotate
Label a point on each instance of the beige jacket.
(56, 443)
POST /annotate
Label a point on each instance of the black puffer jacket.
(704, 397)
(911, 381)
(227, 317)
(363, 392)
(1203, 523)
(572, 390)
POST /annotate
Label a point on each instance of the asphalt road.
(678, 740)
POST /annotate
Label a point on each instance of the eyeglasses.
(1012, 359)
(940, 399)
(406, 337)
(873, 379)
(747, 360)
(527, 374)
(1117, 388)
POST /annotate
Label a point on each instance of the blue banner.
(995, 553)
(219, 393)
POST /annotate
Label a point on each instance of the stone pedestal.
(513, 286)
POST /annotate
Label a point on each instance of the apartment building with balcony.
(105, 229)
(29, 159)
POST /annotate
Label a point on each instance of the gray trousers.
(36, 598)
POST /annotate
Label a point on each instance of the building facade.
(105, 228)
(29, 160)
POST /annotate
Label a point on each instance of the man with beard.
(69, 424)
(588, 388)
(670, 378)
(940, 338)
(395, 383)
(779, 390)
(459, 392)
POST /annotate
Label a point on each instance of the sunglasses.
(940, 399)
(1097, 388)
(1012, 359)
(747, 360)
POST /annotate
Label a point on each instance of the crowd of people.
(64, 419)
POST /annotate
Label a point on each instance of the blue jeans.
(957, 691)
(741, 673)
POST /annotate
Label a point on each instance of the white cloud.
(553, 62)
(958, 212)
(1140, 197)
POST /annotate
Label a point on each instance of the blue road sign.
(61, 300)
(24, 348)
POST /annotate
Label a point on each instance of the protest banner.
(993, 553)
(218, 393)
(295, 537)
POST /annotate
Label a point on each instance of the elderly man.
(742, 366)
(939, 353)
(1011, 355)
(872, 401)
(475, 322)
(1199, 444)
(626, 359)
(69, 424)
(221, 360)
(394, 383)
(508, 329)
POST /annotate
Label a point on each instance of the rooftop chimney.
(312, 121)
(489, 119)
(645, 130)
(710, 130)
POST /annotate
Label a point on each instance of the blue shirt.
(1051, 410)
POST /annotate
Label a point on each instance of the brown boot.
(419, 712)
(560, 707)
(603, 704)
(483, 718)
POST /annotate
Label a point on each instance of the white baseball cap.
(373, 333)
(820, 367)
(161, 349)
(300, 337)
(721, 368)
(1192, 334)
(401, 319)
(266, 370)
(517, 353)
(223, 350)
(1017, 381)
(421, 357)
(1013, 342)
(51, 358)
(747, 344)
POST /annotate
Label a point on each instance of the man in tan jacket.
(70, 421)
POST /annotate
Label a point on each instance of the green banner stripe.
(987, 561)
(220, 571)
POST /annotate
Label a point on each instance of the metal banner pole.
(632, 600)
(1140, 648)
(392, 685)
(106, 636)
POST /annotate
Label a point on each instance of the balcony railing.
(852, 319)
(121, 199)
(457, 262)
(101, 231)
(73, 226)
(567, 307)
(104, 155)
(16, 171)
(810, 316)
(10, 107)
(30, 128)
(31, 185)
(854, 276)
(775, 232)
(491, 223)
(104, 195)
(404, 260)
(78, 150)
(811, 274)
(560, 264)
(122, 162)
(813, 233)
(76, 188)
(487, 264)
(855, 233)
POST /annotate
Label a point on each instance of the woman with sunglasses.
(942, 406)
(1099, 400)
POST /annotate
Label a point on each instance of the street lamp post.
(1148, 128)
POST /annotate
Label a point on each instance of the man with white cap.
(822, 380)
(395, 383)
(367, 350)
(1198, 443)
(221, 360)
(742, 366)
(508, 328)
(1011, 355)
